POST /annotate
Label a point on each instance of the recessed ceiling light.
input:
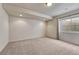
(20, 15)
(68, 20)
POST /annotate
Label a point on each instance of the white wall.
(4, 28)
(22, 28)
(52, 28)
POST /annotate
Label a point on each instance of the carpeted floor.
(42, 46)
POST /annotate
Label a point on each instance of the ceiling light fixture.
(20, 15)
(68, 20)
(48, 4)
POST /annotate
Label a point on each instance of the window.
(71, 24)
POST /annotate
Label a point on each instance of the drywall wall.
(23, 28)
(4, 28)
(52, 28)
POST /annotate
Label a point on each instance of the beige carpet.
(42, 46)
